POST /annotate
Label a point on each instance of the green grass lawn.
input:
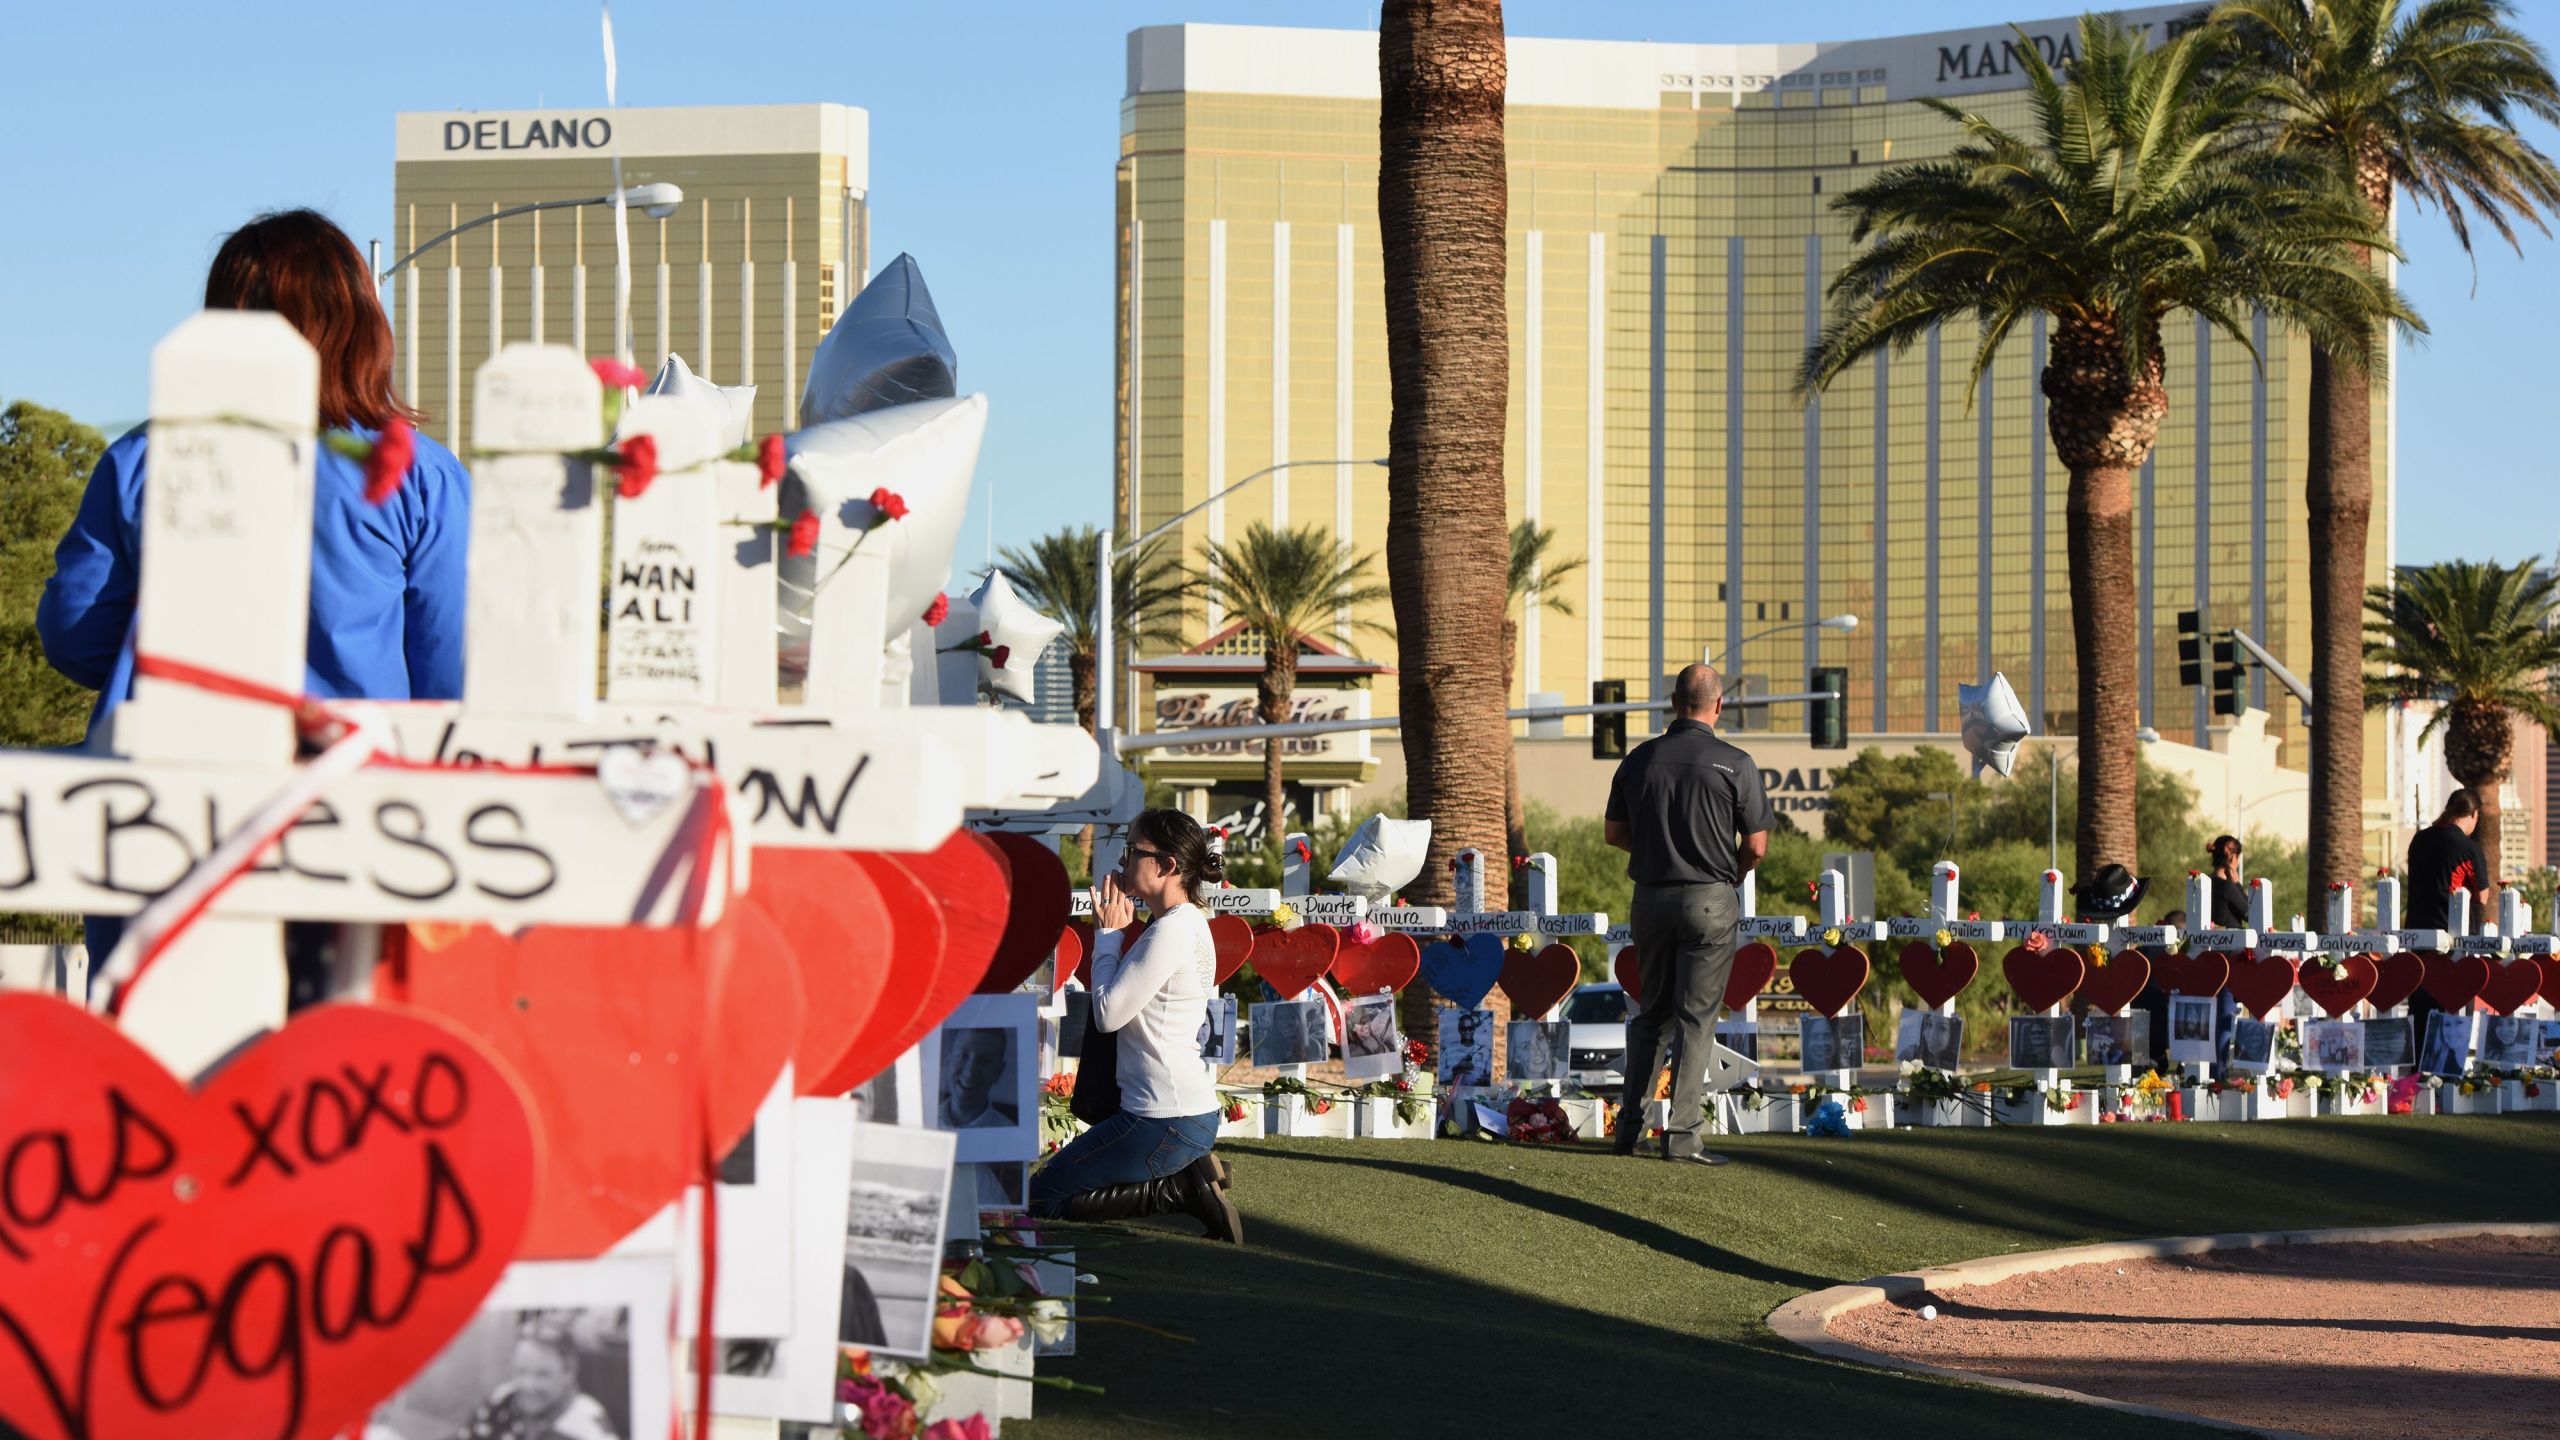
(1430, 1288)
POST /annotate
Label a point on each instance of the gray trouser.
(1684, 955)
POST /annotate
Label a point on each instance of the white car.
(1598, 1039)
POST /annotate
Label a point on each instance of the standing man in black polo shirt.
(2444, 858)
(1689, 811)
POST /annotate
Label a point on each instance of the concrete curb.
(1805, 1321)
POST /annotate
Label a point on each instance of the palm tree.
(1147, 590)
(1286, 585)
(2478, 640)
(1536, 579)
(1443, 200)
(2136, 195)
(2422, 102)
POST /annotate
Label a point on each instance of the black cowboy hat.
(2111, 892)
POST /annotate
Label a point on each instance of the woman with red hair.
(386, 579)
(387, 571)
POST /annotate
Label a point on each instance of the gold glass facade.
(1668, 253)
(771, 241)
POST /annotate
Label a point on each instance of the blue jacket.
(387, 581)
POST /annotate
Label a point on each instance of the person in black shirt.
(1690, 812)
(2443, 858)
(2230, 893)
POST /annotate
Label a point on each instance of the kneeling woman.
(1153, 996)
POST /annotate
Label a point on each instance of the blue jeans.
(1122, 1150)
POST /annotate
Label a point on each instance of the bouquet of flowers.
(1922, 1083)
(1537, 1120)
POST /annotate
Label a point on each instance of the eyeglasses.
(1136, 853)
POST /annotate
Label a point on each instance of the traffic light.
(2190, 649)
(2226, 677)
(1827, 721)
(1609, 732)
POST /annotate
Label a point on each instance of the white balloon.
(927, 453)
(1993, 722)
(1012, 626)
(1381, 857)
(736, 403)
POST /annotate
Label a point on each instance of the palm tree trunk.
(1081, 666)
(1080, 683)
(2341, 512)
(2339, 495)
(2479, 751)
(2104, 420)
(1279, 683)
(1515, 810)
(1443, 205)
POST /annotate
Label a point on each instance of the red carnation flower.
(618, 375)
(1000, 654)
(804, 534)
(639, 466)
(770, 459)
(388, 465)
(890, 504)
(939, 610)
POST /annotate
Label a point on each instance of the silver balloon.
(1993, 722)
(887, 349)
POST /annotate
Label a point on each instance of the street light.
(657, 200)
(1105, 554)
(2053, 798)
(1842, 622)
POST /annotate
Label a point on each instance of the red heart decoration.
(1631, 977)
(2511, 985)
(2338, 991)
(2399, 976)
(1829, 980)
(1938, 977)
(2260, 981)
(609, 1033)
(830, 915)
(270, 1255)
(2550, 967)
(963, 883)
(2456, 980)
(1039, 904)
(1234, 940)
(916, 967)
(1292, 960)
(1387, 963)
(1538, 980)
(1754, 966)
(2046, 980)
(2110, 987)
(1071, 948)
(2194, 973)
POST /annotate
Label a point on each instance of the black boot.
(1129, 1202)
(1204, 1185)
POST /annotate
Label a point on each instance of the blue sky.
(133, 135)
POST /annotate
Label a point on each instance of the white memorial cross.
(1831, 904)
(1946, 882)
(2051, 908)
(227, 528)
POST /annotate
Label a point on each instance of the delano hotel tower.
(773, 239)
(1670, 239)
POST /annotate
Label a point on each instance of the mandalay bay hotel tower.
(1670, 239)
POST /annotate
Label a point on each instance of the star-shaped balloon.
(1016, 634)
(736, 403)
(1993, 722)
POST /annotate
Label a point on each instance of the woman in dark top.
(2230, 893)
